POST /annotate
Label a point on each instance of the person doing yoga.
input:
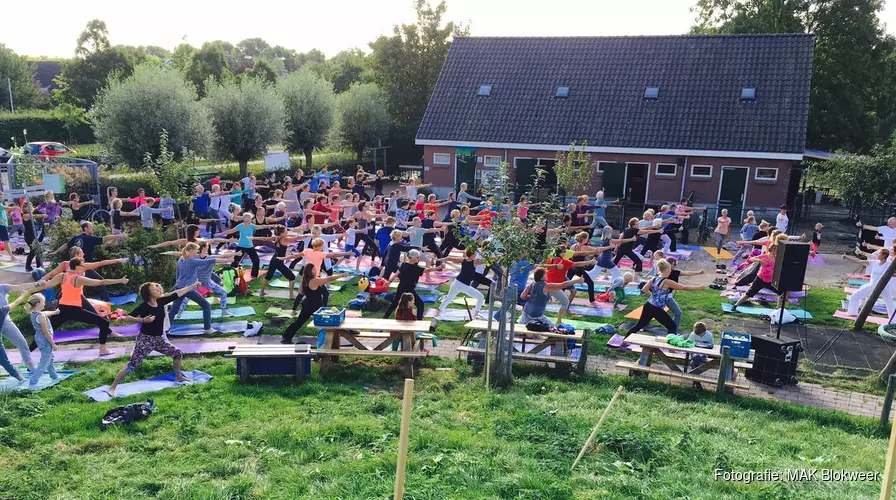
(877, 266)
(314, 289)
(658, 290)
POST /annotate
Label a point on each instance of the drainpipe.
(684, 175)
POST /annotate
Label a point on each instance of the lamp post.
(12, 107)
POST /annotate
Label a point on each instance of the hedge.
(41, 126)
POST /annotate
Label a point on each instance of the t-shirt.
(782, 222)
(723, 224)
(705, 340)
(246, 232)
(888, 234)
(409, 276)
(558, 275)
(350, 236)
(816, 237)
(417, 236)
(157, 327)
(86, 242)
(164, 205)
(624, 248)
(384, 237)
(314, 258)
(236, 196)
(16, 216)
(519, 274)
(4, 219)
(747, 231)
(486, 223)
(617, 284)
(538, 300)
(250, 187)
(319, 207)
(200, 204)
(766, 267)
(402, 217)
(146, 212)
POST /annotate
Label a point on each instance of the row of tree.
(237, 118)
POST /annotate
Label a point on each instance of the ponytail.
(189, 247)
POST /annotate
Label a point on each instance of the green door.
(466, 172)
(613, 180)
(731, 195)
(525, 175)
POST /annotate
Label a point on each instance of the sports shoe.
(225, 313)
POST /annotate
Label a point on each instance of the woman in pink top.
(722, 226)
(763, 278)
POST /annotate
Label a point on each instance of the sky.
(331, 26)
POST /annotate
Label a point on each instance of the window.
(701, 171)
(748, 93)
(441, 159)
(562, 92)
(601, 165)
(666, 169)
(766, 174)
(492, 162)
(485, 90)
(652, 93)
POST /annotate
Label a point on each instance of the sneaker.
(225, 313)
(286, 341)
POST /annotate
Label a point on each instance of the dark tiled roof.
(46, 71)
(699, 107)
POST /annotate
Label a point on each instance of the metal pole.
(12, 107)
(512, 294)
(888, 402)
(488, 334)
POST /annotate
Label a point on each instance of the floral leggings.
(148, 343)
(214, 288)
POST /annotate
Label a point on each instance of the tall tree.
(854, 68)
(407, 64)
(252, 47)
(182, 56)
(94, 38)
(19, 72)
(246, 117)
(361, 117)
(83, 77)
(130, 115)
(287, 56)
(309, 104)
(348, 67)
(263, 70)
(208, 62)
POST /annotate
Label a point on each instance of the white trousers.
(456, 288)
(856, 299)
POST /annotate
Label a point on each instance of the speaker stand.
(782, 300)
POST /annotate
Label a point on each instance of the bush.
(41, 126)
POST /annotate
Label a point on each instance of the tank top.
(467, 270)
(116, 219)
(37, 330)
(279, 250)
(71, 294)
(659, 296)
(605, 259)
(261, 232)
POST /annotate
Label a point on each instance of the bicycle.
(95, 213)
(703, 231)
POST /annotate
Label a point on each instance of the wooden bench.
(541, 358)
(383, 335)
(544, 340)
(627, 365)
(410, 357)
(271, 359)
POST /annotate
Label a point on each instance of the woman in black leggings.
(627, 249)
(313, 287)
(246, 245)
(450, 241)
(32, 226)
(658, 290)
(281, 243)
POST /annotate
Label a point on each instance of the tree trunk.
(875, 293)
(308, 153)
(360, 152)
(244, 168)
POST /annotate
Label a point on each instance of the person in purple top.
(582, 214)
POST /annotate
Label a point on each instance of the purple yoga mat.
(84, 355)
(201, 347)
(94, 333)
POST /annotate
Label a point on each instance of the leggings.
(613, 270)
(757, 286)
(676, 312)
(720, 240)
(146, 344)
(199, 299)
(743, 250)
(214, 288)
(561, 297)
(637, 265)
(252, 255)
(650, 245)
(650, 312)
(672, 234)
(299, 296)
(418, 303)
(32, 254)
(370, 246)
(433, 248)
(312, 303)
(81, 315)
(449, 242)
(212, 227)
(277, 264)
(458, 287)
(580, 271)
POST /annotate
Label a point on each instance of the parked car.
(5, 156)
(47, 149)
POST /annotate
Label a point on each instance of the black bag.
(129, 413)
(537, 325)
(374, 272)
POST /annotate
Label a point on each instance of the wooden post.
(723, 370)
(594, 431)
(886, 487)
(888, 402)
(403, 438)
(875, 293)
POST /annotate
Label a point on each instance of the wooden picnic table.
(556, 344)
(652, 346)
(397, 330)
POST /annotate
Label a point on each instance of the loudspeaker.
(791, 259)
(775, 361)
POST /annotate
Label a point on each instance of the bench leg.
(300, 369)
(645, 360)
(244, 369)
(409, 367)
(583, 353)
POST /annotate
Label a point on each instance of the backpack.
(537, 325)
(228, 278)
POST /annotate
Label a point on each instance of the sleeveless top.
(36, 325)
(659, 296)
(71, 294)
(467, 271)
(279, 250)
(605, 259)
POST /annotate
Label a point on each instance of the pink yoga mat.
(432, 280)
(94, 333)
(85, 355)
(871, 319)
(859, 276)
(581, 301)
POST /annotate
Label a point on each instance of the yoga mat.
(152, 385)
(582, 310)
(616, 340)
(766, 291)
(237, 312)
(733, 295)
(581, 324)
(11, 384)
(724, 254)
(871, 319)
(681, 254)
(859, 276)
(213, 300)
(879, 307)
(636, 314)
(582, 301)
(281, 283)
(454, 315)
(84, 355)
(201, 347)
(817, 260)
(276, 294)
(430, 279)
(130, 330)
(351, 270)
(756, 311)
(124, 299)
(198, 329)
(428, 298)
(421, 287)
(855, 282)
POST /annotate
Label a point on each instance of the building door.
(613, 180)
(465, 172)
(733, 190)
(636, 182)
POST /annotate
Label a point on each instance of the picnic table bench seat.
(541, 340)
(628, 365)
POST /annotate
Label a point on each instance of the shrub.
(41, 126)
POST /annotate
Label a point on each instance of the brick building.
(723, 117)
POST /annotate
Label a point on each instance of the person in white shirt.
(887, 233)
(782, 220)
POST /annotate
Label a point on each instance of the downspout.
(684, 175)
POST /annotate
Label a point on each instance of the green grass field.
(337, 438)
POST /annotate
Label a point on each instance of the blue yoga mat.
(152, 385)
(11, 384)
(198, 329)
(757, 311)
(855, 282)
(124, 299)
(216, 313)
(582, 310)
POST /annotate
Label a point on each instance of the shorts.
(4, 233)
(352, 249)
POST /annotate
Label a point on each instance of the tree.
(867, 180)
(94, 38)
(129, 115)
(573, 169)
(348, 67)
(309, 104)
(83, 77)
(262, 70)
(252, 47)
(854, 67)
(407, 64)
(72, 117)
(361, 117)
(19, 72)
(246, 117)
(287, 56)
(182, 56)
(208, 62)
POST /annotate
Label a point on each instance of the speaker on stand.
(791, 259)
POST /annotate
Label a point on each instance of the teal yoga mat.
(855, 282)
(11, 384)
(757, 311)
(216, 313)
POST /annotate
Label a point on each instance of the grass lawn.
(337, 438)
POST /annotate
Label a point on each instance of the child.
(618, 288)
(816, 239)
(702, 338)
(43, 336)
(406, 312)
(654, 258)
(721, 233)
